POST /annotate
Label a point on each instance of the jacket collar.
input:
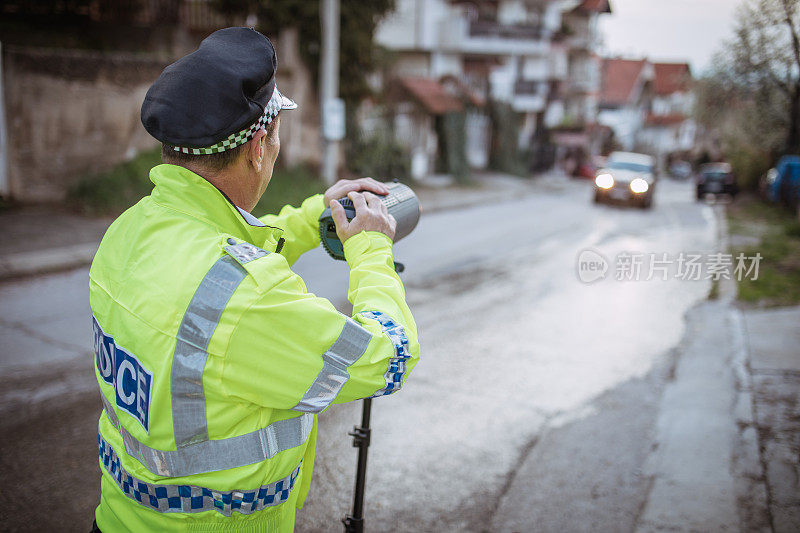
(181, 189)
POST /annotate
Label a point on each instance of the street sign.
(333, 119)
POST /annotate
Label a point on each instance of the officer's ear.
(256, 152)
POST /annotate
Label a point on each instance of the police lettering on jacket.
(131, 381)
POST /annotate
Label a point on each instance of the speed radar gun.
(403, 205)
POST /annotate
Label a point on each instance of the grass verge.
(758, 227)
(112, 192)
(290, 186)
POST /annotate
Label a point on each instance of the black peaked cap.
(217, 90)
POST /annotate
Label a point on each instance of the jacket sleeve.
(300, 226)
(293, 350)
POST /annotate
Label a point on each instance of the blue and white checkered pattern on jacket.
(397, 364)
(190, 498)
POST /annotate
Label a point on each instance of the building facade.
(648, 105)
(625, 98)
(537, 57)
(669, 129)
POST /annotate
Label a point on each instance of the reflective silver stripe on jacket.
(193, 499)
(213, 455)
(351, 344)
(189, 361)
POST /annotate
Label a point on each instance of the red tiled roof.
(466, 92)
(619, 79)
(599, 6)
(431, 95)
(664, 120)
(671, 77)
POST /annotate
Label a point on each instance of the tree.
(765, 60)
(750, 98)
(358, 55)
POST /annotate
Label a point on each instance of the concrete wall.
(71, 113)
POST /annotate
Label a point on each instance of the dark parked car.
(716, 179)
(680, 170)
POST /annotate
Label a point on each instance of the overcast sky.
(683, 30)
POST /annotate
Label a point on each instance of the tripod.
(354, 523)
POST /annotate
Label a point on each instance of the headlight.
(772, 176)
(638, 185)
(604, 181)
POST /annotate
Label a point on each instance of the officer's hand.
(371, 215)
(342, 188)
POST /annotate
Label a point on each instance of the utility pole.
(331, 106)
(5, 186)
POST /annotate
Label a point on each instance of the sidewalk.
(709, 440)
(38, 240)
(728, 443)
(705, 468)
(773, 341)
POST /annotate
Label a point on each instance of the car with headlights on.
(626, 177)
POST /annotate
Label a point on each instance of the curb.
(45, 261)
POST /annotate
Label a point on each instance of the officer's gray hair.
(214, 162)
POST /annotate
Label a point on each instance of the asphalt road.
(514, 344)
(515, 348)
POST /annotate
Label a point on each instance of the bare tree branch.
(789, 12)
(754, 94)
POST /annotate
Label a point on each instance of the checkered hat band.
(271, 111)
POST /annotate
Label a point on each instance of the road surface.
(514, 346)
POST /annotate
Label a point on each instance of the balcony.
(582, 83)
(583, 41)
(529, 87)
(529, 95)
(488, 28)
(487, 37)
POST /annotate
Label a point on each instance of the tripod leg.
(354, 523)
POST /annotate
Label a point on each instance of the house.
(669, 131)
(419, 104)
(648, 105)
(500, 50)
(575, 80)
(575, 61)
(539, 58)
(626, 92)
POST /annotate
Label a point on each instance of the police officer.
(212, 358)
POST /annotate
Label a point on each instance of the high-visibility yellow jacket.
(213, 359)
